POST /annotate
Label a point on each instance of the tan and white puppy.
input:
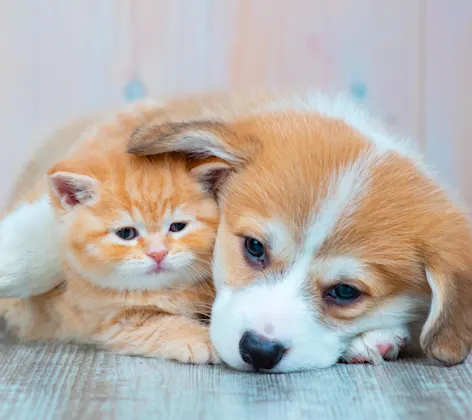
(334, 234)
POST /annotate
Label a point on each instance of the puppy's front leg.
(375, 346)
(142, 331)
(29, 250)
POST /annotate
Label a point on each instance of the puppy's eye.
(343, 294)
(127, 233)
(254, 249)
(177, 227)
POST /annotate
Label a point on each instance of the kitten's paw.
(141, 332)
(197, 350)
(376, 346)
(26, 320)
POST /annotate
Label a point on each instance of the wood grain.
(408, 61)
(448, 101)
(72, 58)
(46, 381)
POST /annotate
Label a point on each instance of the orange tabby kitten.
(136, 236)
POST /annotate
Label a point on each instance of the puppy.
(334, 235)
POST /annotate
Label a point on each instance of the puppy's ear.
(196, 138)
(447, 332)
(211, 173)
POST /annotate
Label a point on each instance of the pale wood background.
(410, 61)
(54, 381)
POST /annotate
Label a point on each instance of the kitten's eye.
(177, 227)
(127, 233)
(343, 294)
(254, 250)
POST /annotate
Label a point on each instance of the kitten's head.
(137, 223)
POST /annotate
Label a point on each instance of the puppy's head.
(328, 229)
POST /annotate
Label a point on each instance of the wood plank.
(448, 94)
(47, 381)
(75, 57)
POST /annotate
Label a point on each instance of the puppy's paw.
(375, 346)
(29, 251)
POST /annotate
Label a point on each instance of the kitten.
(136, 237)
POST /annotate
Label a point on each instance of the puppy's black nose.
(260, 353)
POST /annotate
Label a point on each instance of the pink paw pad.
(384, 349)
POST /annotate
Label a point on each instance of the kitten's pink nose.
(158, 256)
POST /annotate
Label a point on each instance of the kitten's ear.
(194, 138)
(211, 173)
(73, 189)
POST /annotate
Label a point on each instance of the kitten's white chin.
(157, 270)
(139, 275)
(141, 282)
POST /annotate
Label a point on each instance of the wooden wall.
(410, 61)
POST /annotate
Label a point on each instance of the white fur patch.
(30, 257)
(131, 275)
(344, 191)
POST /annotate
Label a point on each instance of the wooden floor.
(52, 381)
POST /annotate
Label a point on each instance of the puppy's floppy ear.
(447, 332)
(211, 173)
(195, 138)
